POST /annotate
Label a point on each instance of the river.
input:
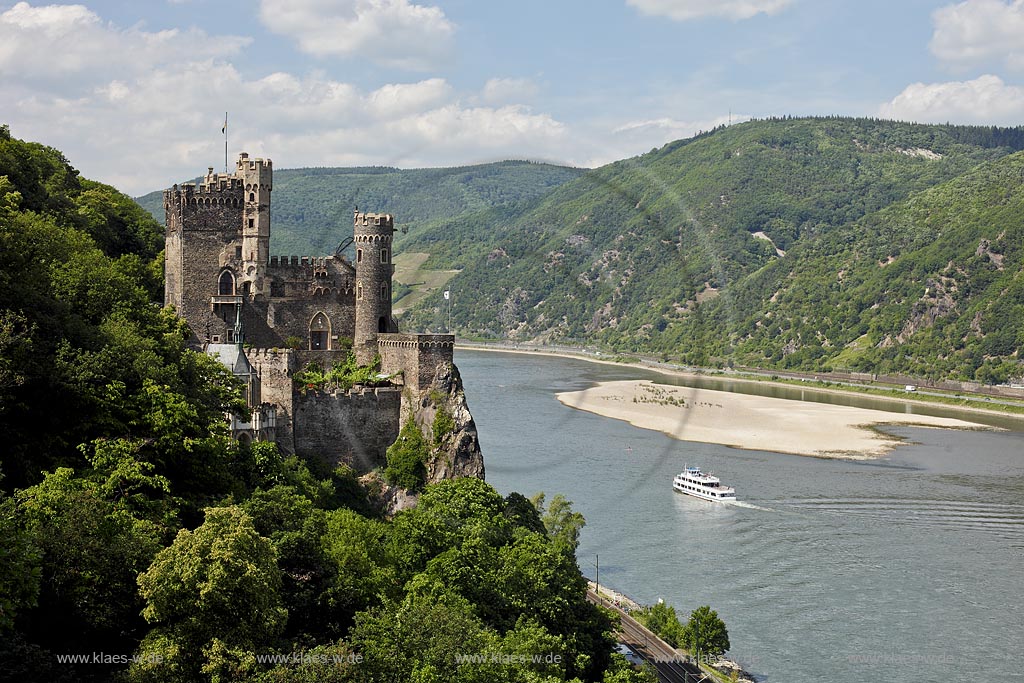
(906, 568)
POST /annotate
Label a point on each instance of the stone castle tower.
(374, 268)
(268, 317)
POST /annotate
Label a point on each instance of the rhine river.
(906, 568)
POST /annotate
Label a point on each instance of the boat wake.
(1004, 519)
(749, 506)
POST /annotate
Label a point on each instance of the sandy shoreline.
(751, 422)
(672, 372)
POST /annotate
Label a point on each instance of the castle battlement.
(315, 262)
(252, 164)
(385, 220)
(416, 341)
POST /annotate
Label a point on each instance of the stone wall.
(275, 369)
(354, 427)
(417, 355)
(269, 323)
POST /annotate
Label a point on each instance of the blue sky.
(134, 92)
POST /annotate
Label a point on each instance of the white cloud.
(640, 136)
(682, 10)
(984, 100)
(145, 132)
(64, 42)
(389, 32)
(978, 31)
(505, 90)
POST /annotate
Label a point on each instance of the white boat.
(693, 482)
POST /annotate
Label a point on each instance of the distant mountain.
(312, 207)
(803, 243)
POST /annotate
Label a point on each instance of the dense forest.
(811, 244)
(138, 543)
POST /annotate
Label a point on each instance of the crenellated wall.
(415, 355)
(352, 427)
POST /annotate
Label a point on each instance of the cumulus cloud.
(682, 10)
(390, 32)
(505, 90)
(56, 42)
(978, 31)
(984, 100)
(145, 132)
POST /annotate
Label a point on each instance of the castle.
(267, 317)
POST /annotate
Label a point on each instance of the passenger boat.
(693, 482)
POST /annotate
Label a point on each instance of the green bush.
(407, 457)
(444, 425)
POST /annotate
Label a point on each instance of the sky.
(134, 92)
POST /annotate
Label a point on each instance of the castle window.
(383, 255)
(359, 290)
(226, 285)
(238, 252)
(320, 332)
(252, 196)
(382, 324)
(252, 222)
(359, 255)
(383, 291)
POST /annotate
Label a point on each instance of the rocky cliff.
(442, 414)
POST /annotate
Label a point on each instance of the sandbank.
(751, 422)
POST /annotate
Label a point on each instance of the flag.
(447, 294)
(225, 128)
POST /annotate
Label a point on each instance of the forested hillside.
(312, 207)
(714, 250)
(138, 543)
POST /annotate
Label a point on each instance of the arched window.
(226, 285)
(320, 332)
(252, 196)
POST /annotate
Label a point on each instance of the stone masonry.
(284, 312)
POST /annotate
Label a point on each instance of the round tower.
(257, 176)
(372, 234)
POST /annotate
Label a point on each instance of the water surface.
(906, 568)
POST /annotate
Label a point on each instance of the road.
(669, 664)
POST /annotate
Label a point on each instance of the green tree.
(562, 523)
(215, 591)
(661, 618)
(19, 566)
(705, 634)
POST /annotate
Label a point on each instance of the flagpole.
(225, 131)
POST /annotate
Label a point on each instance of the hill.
(312, 207)
(723, 248)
